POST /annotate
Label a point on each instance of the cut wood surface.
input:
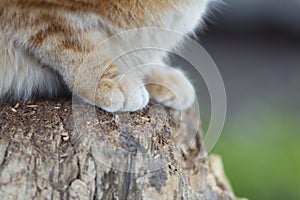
(55, 150)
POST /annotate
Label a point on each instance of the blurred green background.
(260, 150)
(256, 46)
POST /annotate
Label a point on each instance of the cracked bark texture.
(51, 150)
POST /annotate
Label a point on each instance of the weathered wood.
(47, 153)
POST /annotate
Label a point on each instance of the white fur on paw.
(116, 99)
(180, 99)
(123, 93)
(109, 96)
(135, 93)
(172, 89)
(137, 100)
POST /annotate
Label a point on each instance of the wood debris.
(32, 106)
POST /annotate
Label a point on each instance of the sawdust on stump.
(53, 150)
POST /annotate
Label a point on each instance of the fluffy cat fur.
(44, 42)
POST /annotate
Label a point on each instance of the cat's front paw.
(171, 88)
(122, 93)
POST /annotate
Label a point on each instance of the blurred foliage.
(261, 153)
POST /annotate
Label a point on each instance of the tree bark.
(51, 150)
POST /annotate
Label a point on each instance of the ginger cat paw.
(171, 88)
(122, 93)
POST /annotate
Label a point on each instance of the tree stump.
(49, 150)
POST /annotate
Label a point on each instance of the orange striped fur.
(44, 42)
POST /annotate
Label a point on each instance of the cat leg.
(118, 92)
(113, 91)
(170, 87)
(64, 47)
(109, 90)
